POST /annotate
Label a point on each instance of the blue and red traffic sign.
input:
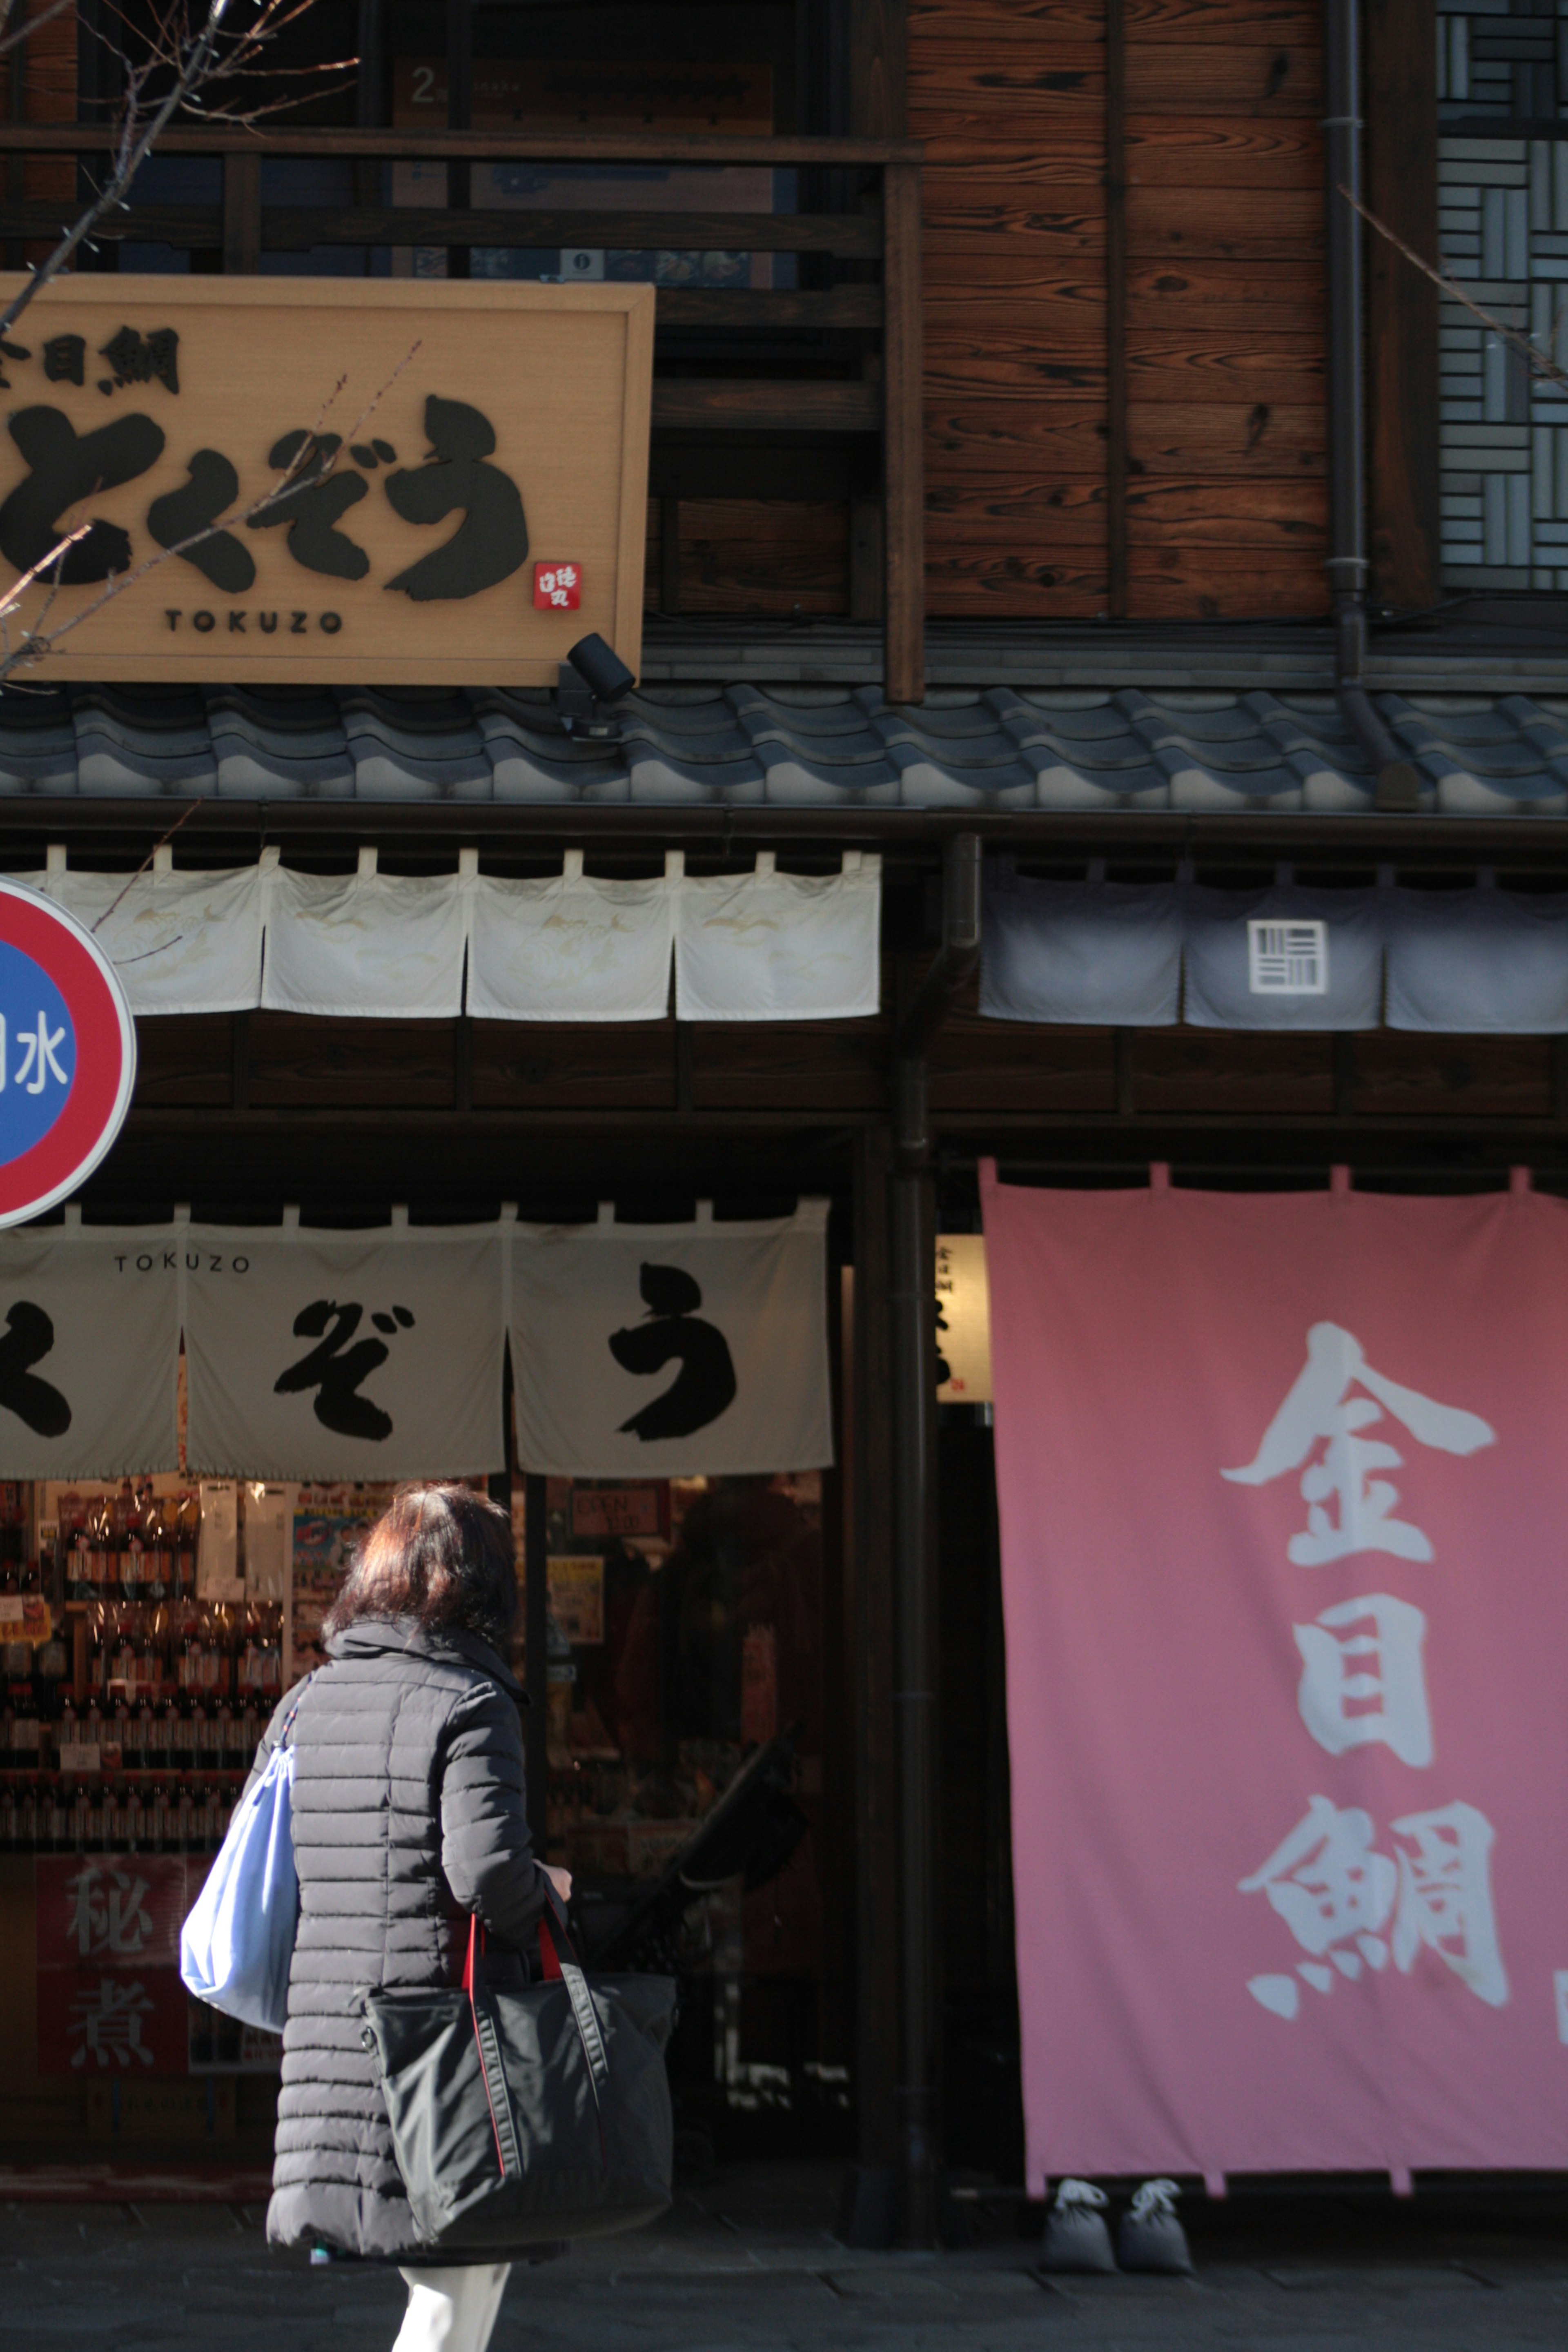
(68, 1053)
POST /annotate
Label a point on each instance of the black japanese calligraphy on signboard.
(492, 542)
(28, 1337)
(67, 467)
(141, 359)
(180, 515)
(671, 1333)
(314, 504)
(336, 1370)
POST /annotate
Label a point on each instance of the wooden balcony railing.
(843, 358)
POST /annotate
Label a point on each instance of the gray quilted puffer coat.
(408, 1816)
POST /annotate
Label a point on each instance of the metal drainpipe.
(913, 1304)
(1398, 784)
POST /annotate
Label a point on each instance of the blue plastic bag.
(237, 1944)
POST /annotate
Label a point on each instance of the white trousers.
(452, 2310)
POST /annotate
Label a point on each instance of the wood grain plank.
(1471, 1077)
(1012, 586)
(959, 363)
(1072, 330)
(1212, 583)
(1015, 1066)
(1256, 439)
(794, 1064)
(574, 1065)
(996, 25)
(1070, 220)
(1167, 152)
(1001, 273)
(1226, 223)
(1035, 96)
(999, 513)
(957, 139)
(1217, 1070)
(296, 1059)
(1268, 368)
(1205, 297)
(184, 1062)
(1204, 80)
(979, 436)
(763, 555)
(1287, 515)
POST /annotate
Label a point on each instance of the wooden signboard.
(458, 476)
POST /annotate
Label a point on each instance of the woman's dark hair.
(441, 1555)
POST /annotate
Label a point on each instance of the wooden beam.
(784, 406)
(1402, 305)
(904, 453)
(480, 146)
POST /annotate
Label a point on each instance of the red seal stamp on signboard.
(68, 1053)
(557, 587)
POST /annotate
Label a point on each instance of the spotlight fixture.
(593, 678)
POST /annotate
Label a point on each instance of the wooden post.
(868, 1592)
(904, 480)
(241, 215)
(1402, 305)
(1115, 310)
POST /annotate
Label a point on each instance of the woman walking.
(409, 1816)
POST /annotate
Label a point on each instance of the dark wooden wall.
(1216, 288)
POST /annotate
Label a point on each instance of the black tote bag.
(522, 2117)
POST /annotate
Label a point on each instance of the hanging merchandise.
(90, 1351)
(572, 948)
(367, 946)
(1281, 1484)
(314, 1355)
(179, 942)
(768, 946)
(672, 1351)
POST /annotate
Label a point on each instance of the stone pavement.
(749, 2265)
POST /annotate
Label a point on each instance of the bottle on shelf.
(187, 1528)
(158, 1733)
(19, 1730)
(102, 1553)
(157, 1559)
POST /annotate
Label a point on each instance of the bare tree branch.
(146, 861)
(197, 60)
(12, 38)
(38, 641)
(1541, 362)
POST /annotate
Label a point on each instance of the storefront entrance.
(683, 1639)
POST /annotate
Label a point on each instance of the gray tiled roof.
(1091, 748)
